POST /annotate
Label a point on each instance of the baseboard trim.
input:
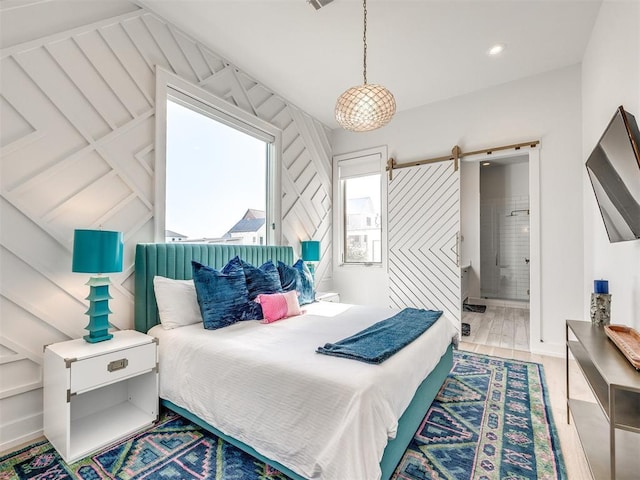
(548, 349)
(20, 442)
(495, 302)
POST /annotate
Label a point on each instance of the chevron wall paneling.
(424, 220)
(77, 138)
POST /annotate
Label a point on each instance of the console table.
(616, 415)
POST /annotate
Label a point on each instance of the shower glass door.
(504, 248)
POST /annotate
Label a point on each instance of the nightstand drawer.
(92, 372)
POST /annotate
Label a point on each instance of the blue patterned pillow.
(222, 295)
(249, 310)
(289, 277)
(297, 277)
(306, 292)
(264, 279)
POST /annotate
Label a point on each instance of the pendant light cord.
(365, 107)
(364, 41)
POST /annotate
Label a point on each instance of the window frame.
(378, 160)
(171, 85)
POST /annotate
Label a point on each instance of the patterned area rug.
(489, 421)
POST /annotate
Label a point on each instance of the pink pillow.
(276, 306)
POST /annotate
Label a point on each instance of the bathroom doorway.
(505, 257)
(502, 303)
(499, 222)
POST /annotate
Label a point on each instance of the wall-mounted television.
(614, 170)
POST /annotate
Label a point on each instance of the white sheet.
(323, 417)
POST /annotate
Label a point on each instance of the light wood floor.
(499, 326)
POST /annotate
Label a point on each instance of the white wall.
(545, 107)
(77, 112)
(503, 181)
(610, 78)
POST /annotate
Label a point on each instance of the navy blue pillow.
(306, 292)
(289, 277)
(222, 295)
(264, 279)
(297, 277)
(250, 310)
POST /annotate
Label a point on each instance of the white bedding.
(263, 384)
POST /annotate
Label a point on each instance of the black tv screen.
(614, 170)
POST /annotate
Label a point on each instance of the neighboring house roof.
(172, 234)
(248, 225)
(253, 213)
(360, 205)
(251, 221)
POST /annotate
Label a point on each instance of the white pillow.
(177, 302)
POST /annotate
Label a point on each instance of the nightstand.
(328, 297)
(98, 393)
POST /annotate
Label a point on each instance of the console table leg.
(566, 365)
(612, 431)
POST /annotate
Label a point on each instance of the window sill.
(360, 265)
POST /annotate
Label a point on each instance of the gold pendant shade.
(365, 107)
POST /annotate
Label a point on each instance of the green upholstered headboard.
(173, 260)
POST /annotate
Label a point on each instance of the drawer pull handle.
(118, 365)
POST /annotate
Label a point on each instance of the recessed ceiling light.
(497, 49)
(484, 164)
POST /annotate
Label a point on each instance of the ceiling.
(423, 51)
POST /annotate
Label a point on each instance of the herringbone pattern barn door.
(424, 221)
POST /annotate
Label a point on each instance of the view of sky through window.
(214, 174)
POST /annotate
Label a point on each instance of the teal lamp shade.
(311, 251)
(97, 251)
(310, 254)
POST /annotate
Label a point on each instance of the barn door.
(424, 226)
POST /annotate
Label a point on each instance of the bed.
(265, 390)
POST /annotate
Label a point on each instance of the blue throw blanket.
(378, 342)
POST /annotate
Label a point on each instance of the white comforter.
(323, 417)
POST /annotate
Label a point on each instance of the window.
(220, 179)
(359, 206)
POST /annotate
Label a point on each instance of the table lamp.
(310, 254)
(97, 251)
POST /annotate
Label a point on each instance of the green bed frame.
(173, 260)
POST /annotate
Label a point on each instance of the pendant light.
(367, 106)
